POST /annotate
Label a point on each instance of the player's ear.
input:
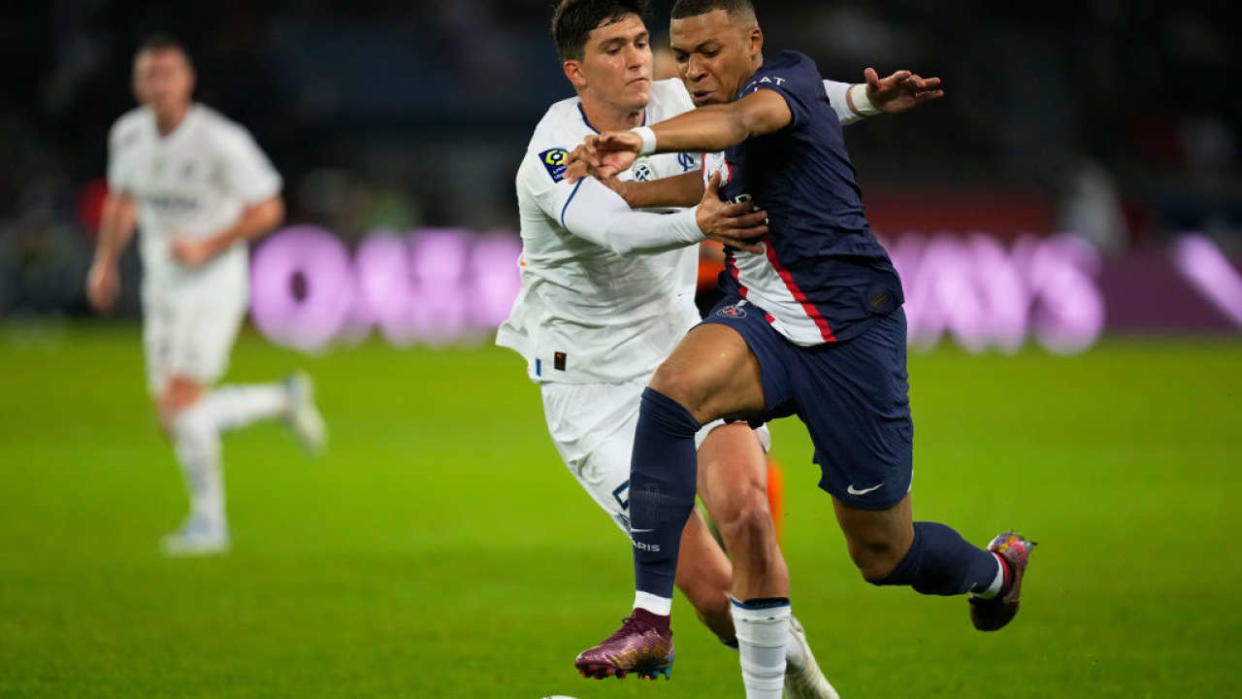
(573, 71)
(754, 40)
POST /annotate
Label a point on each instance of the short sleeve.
(796, 78)
(116, 161)
(246, 172)
(542, 176)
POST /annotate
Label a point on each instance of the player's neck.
(755, 64)
(168, 122)
(603, 117)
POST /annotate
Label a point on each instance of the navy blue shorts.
(852, 396)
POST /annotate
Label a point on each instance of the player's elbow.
(619, 244)
(276, 210)
(746, 124)
(269, 214)
(626, 246)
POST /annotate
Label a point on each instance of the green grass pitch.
(440, 549)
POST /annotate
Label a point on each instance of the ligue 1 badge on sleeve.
(556, 160)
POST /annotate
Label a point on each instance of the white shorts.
(593, 428)
(189, 335)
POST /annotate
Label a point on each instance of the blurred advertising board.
(981, 292)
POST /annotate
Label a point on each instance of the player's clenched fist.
(103, 285)
(604, 156)
(613, 152)
(193, 252)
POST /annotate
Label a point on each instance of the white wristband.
(649, 139)
(860, 101)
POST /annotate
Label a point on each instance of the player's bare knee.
(177, 397)
(748, 517)
(681, 385)
(876, 559)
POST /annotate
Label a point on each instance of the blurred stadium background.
(1068, 222)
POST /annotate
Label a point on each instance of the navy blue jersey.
(823, 277)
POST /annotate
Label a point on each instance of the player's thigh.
(713, 374)
(159, 327)
(854, 401)
(592, 426)
(206, 331)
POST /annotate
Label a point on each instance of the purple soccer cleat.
(643, 646)
(992, 614)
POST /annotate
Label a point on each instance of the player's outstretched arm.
(681, 190)
(256, 221)
(678, 191)
(897, 93)
(116, 228)
(704, 130)
(598, 214)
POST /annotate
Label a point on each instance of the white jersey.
(587, 313)
(195, 182)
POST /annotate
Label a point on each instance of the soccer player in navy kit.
(813, 326)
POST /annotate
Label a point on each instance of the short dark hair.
(164, 42)
(573, 21)
(693, 8)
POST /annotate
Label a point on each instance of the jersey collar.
(587, 121)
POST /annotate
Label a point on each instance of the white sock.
(997, 583)
(197, 443)
(761, 638)
(662, 606)
(232, 407)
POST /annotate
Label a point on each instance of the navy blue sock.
(941, 562)
(662, 486)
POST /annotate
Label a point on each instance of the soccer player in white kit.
(607, 293)
(198, 188)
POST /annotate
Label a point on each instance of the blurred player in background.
(810, 325)
(200, 189)
(594, 320)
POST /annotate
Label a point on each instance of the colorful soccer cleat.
(993, 613)
(640, 646)
(806, 680)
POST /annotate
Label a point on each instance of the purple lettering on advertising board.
(1209, 271)
(432, 286)
(301, 287)
(985, 297)
(442, 286)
